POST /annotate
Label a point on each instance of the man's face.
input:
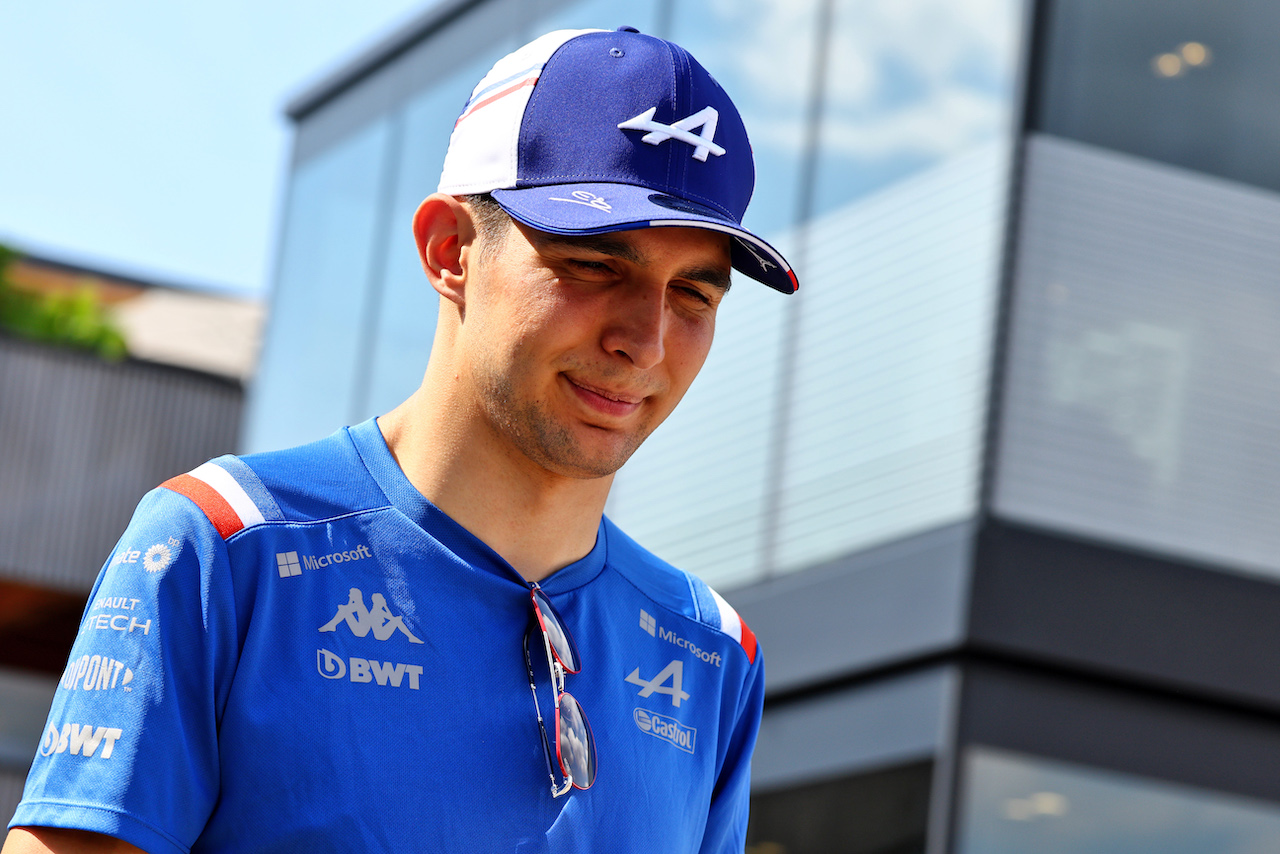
(576, 348)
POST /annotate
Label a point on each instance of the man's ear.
(445, 235)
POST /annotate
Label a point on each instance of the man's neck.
(536, 520)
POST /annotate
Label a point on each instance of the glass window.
(1185, 82)
(1142, 397)
(309, 361)
(910, 85)
(1012, 804)
(887, 405)
(599, 15)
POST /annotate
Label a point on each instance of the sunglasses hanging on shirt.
(575, 747)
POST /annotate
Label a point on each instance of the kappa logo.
(80, 739)
(331, 666)
(665, 728)
(362, 620)
(657, 685)
(658, 133)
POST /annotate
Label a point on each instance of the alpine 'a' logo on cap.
(682, 130)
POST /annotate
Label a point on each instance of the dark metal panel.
(884, 811)
(884, 605)
(875, 724)
(1113, 727)
(1045, 597)
(81, 440)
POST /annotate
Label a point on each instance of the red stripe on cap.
(487, 101)
(220, 513)
(748, 640)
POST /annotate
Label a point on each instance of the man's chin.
(577, 450)
(590, 464)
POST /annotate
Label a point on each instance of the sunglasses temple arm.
(556, 791)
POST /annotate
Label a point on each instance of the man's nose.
(638, 326)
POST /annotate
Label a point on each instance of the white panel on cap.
(484, 148)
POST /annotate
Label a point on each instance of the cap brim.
(600, 208)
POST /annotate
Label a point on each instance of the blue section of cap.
(598, 81)
(584, 208)
(596, 208)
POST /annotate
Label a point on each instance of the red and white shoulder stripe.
(229, 494)
(734, 626)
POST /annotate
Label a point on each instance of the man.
(233, 692)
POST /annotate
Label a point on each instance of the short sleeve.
(726, 829)
(130, 748)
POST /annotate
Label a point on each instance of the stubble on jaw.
(538, 435)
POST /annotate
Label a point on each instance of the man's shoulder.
(675, 589)
(319, 480)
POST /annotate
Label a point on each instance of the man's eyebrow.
(713, 276)
(615, 248)
(602, 243)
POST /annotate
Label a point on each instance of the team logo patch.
(96, 673)
(157, 558)
(80, 740)
(673, 673)
(361, 620)
(668, 729)
(386, 673)
(658, 133)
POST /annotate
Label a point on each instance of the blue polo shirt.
(295, 651)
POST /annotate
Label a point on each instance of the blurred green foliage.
(74, 319)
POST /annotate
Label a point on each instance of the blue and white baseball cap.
(589, 131)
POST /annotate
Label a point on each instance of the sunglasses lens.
(561, 646)
(575, 745)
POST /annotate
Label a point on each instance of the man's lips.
(606, 401)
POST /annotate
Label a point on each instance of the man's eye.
(694, 294)
(589, 266)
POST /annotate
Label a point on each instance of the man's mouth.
(604, 400)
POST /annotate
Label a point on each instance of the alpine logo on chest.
(668, 681)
